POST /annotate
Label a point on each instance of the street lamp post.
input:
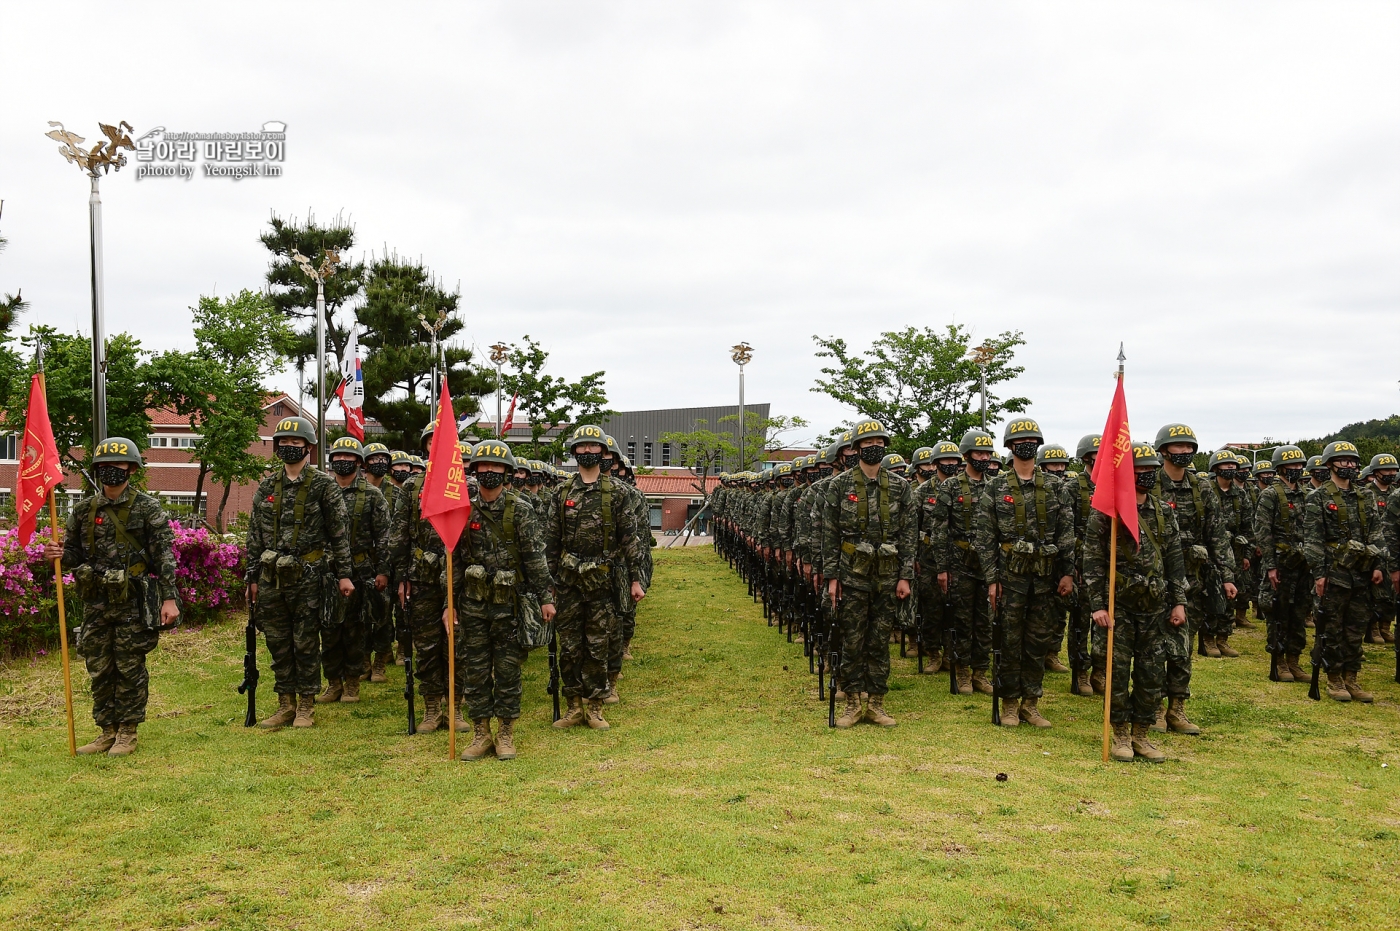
(433, 327)
(97, 161)
(330, 260)
(742, 354)
(982, 357)
(499, 353)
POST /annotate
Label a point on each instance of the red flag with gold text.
(39, 468)
(1115, 490)
(444, 501)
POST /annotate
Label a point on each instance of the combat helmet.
(1176, 433)
(1022, 430)
(1288, 455)
(497, 451)
(1340, 449)
(346, 444)
(977, 439)
(587, 433)
(946, 449)
(115, 450)
(425, 438)
(1222, 456)
(1051, 454)
(299, 427)
(1145, 455)
(1088, 445)
(895, 463)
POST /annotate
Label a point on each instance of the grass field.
(718, 800)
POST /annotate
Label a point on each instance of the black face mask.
(344, 466)
(1384, 479)
(980, 465)
(924, 473)
(850, 459)
(1291, 476)
(1025, 450)
(112, 476)
(378, 468)
(1181, 460)
(1056, 469)
(949, 467)
(1267, 480)
(1227, 474)
(490, 479)
(1320, 475)
(786, 481)
(588, 460)
(1347, 473)
(518, 481)
(291, 455)
(1145, 481)
(826, 470)
(401, 475)
(872, 455)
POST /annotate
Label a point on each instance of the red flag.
(1115, 490)
(354, 416)
(510, 417)
(444, 500)
(39, 468)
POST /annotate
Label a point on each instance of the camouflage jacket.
(812, 521)
(1342, 536)
(367, 517)
(641, 511)
(1236, 516)
(411, 537)
(1198, 518)
(324, 528)
(950, 519)
(1036, 515)
(578, 527)
(926, 500)
(1151, 573)
(148, 544)
(1080, 489)
(870, 530)
(1278, 526)
(484, 543)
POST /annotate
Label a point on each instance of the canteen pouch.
(428, 567)
(860, 562)
(531, 629)
(117, 586)
(1197, 558)
(503, 587)
(1140, 594)
(474, 584)
(85, 579)
(288, 570)
(887, 562)
(1021, 559)
(1289, 557)
(588, 576)
(267, 567)
(1352, 555)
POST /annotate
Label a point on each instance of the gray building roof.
(642, 427)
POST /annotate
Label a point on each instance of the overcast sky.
(641, 185)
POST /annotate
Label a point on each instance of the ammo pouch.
(1197, 558)
(428, 567)
(1289, 557)
(887, 562)
(531, 630)
(287, 569)
(587, 575)
(1354, 556)
(116, 585)
(1141, 595)
(475, 587)
(1027, 558)
(503, 587)
(85, 580)
(860, 560)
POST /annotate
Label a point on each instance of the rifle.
(554, 671)
(833, 662)
(998, 644)
(950, 638)
(249, 685)
(1319, 657)
(405, 637)
(919, 639)
(1271, 630)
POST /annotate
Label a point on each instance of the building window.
(279, 409)
(172, 442)
(632, 451)
(646, 454)
(5, 499)
(9, 447)
(665, 454)
(183, 504)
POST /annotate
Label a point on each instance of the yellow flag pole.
(62, 623)
(451, 666)
(1108, 668)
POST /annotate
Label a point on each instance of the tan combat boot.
(482, 743)
(102, 742)
(306, 712)
(852, 715)
(1297, 670)
(1053, 664)
(574, 716)
(627, 649)
(505, 740)
(286, 710)
(933, 662)
(875, 712)
(1386, 635)
(1281, 667)
(980, 682)
(612, 698)
(351, 693)
(462, 724)
(1121, 748)
(1355, 690)
(1010, 712)
(1081, 685)
(334, 689)
(964, 676)
(947, 663)
(126, 741)
(1337, 687)
(1096, 682)
(376, 670)
(1373, 633)
(1176, 717)
(1160, 723)
(1208, 643)
(594, 716)
(1222, 644)
(432, 715)
(1242, 621)
(1143, 747)
(1030, 713)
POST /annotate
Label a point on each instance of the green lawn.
(718, 800)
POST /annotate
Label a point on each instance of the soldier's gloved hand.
(638, 593)
(1178, 616)
(1066, 586)
(381, 582)
(252, 593)
(901, 591)
(943, 582)
(1273, 578)
(1102, 619)
(169, 611)
(347, 588)
(547, 612)
(1231, 591)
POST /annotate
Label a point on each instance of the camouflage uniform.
(1151, 580)
(1343, 542)
(1079, 487)
(490, 578)
(1235, 510)
(382, 605)
(931, 604)
(627, 620)
(950, 519)
(1278, 530)
(1037, 517)
(346, 634)
(315, 551)
(419, 557)
(588, 598)
(114, 638)
(870, 533)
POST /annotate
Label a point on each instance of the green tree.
(11, 306)
(920, 383)
(548, 401)
(398, 364)
(762, 435)
(702, 450)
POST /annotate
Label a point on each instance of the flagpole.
(451, 666)
(1108, 668)
(58, 589)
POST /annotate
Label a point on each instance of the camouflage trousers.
(931, 623)
(1028, 622)
(586, 628)
(971, 617)
(1083, 649)
(1289, 615)
(290, 618)
(114, 643)
(1180, 643)
(1139, 663)
(865, 620)
(379, 621)
(1383, 600)
(429, 638)
(343, 642)
(1343, 618)
(488, 660)
(626, 627)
